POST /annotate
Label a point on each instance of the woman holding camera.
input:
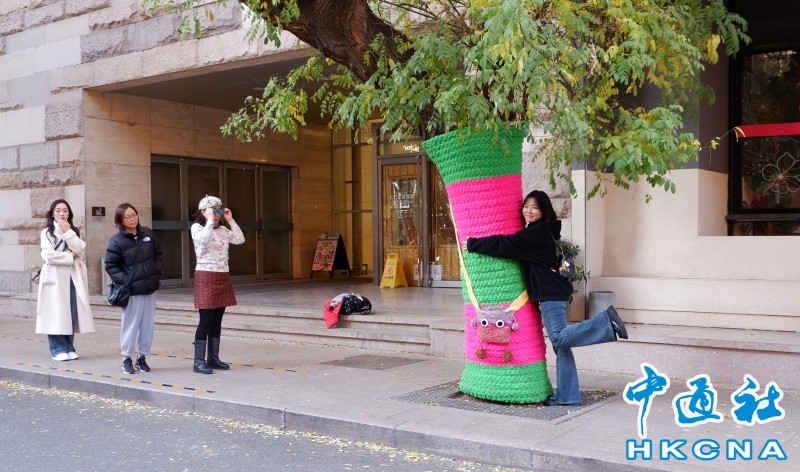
(213, 290)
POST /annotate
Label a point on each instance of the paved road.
(51, 429)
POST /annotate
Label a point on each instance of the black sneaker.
(616, 323)
(127, 366)
(141, 364)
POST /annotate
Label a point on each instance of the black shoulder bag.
(118, 294)
(566, 261)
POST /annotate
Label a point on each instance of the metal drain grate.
(450, 396)
(373, 362)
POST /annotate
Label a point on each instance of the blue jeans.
(595, 330)
(63, 342)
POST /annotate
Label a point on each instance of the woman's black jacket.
(121, 255)
(536, 250)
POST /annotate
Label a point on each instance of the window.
(765, 171)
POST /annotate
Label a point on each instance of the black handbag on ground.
(118, 294)
(355, 304)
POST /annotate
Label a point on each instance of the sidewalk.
(394, 399)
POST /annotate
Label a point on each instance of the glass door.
(259, 198)
(168, 221)
(402, 225)
(274, 223)
(241, 198)
(444, 261)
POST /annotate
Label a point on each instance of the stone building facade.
(92, 90)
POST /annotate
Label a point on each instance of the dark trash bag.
(352, 304)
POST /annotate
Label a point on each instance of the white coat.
(53, 314)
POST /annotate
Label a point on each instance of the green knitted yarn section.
(494, 280)
(508, 384)
(478, 155)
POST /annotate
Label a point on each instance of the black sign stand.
(330, 255)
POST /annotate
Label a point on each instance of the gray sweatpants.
(138, 324)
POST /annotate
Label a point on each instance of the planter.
(483, 178)
(599, 301)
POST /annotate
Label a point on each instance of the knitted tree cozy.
(505, 349)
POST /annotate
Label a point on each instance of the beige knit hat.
(208, 202)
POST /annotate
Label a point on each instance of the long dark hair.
(51, 221)
(544, 204)
(200, 218)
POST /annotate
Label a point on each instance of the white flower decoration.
(783, 175)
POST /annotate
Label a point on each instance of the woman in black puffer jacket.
(135, 247)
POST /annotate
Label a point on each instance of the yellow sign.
(393, 275)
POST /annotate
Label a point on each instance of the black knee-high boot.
(200, 365)
(213, 355)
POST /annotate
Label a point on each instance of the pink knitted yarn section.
(527, 343)
(487, 206)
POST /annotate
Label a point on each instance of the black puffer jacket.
(536, 250)
(121, 254)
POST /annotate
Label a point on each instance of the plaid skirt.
(213, 290)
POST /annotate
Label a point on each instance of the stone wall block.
(32, 156)
(70, 152)
(2, 45)
(65, 176)
(35, 178)
(166, 114)
(115, 16)
(226, 19)
(30, 236)
(562, 206)
(226, 47)
(18, 224)
(46, 14)
(85, 6)
(40, 3)
(7, 6)
(64, 120)
(119, 69)
(170, 58)
(148, 34)
(10, 180)
(27, 39)
(41, 198)
(9, 158)
(71, 78)
(97, 104)
(105, 43)
(130, 108)
(10, 106)
(10, 24)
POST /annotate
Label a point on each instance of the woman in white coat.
(63, 304)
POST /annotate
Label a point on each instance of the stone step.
(360, 331)
(704, 302)
(683, 352)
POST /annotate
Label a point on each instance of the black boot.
(200, 365)
(213, 355)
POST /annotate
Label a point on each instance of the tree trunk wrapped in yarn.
(505, 350)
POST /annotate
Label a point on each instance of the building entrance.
(414, 217)
(259, 198)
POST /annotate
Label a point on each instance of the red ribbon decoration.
(763, 131)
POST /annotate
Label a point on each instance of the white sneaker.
(61, 356)
(72, 355)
